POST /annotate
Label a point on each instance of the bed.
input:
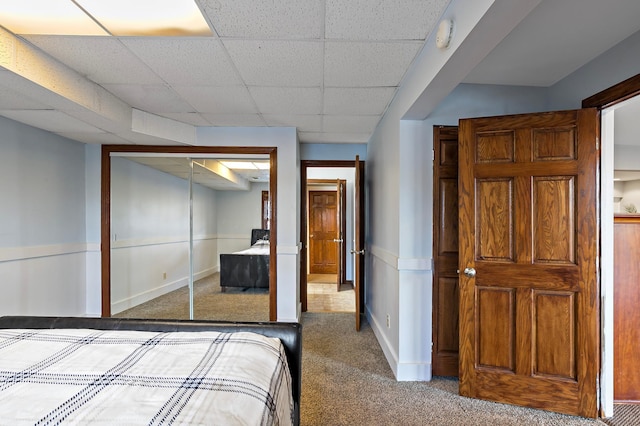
(248, 268)
(64, 370)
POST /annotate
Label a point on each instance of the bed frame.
(245, 270)
(289, 333)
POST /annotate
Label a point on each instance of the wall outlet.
(388, 321)
(164, 275)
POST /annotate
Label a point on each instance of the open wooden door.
(528, 239)
(339, 235)
(358, 250)
(444, 358)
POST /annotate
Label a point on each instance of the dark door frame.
(105, 225)
(606, 98)
(304, 165)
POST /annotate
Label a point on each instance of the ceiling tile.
(362, 64)
(382, 19)
(362, 101)
(101, 59)
(235, 120)
(349, 124)
(185, 60)
(154, 99)
(287, 100)
(229, 100)
(304, 123)
(265, 18)
(277, 63)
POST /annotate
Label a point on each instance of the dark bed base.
(245, 270)
(289, 333)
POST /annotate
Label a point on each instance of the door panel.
(341, 226)
(358, 250)
(529, 317)
(445, 249)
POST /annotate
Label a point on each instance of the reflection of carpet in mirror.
(322, 295)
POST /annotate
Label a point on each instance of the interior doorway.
(327, 268)
(607, 102)
(328, 212)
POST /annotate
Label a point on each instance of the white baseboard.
(145, 296)
(387, 349)
(158, 291)
(403, 371)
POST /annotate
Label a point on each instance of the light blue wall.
(42, 187)
(613, 66)
(332, 151)
(477, 100)
(43, 240)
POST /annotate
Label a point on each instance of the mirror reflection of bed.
(247, 269)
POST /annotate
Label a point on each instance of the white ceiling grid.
(327, 67)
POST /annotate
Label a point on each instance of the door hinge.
(433, 155)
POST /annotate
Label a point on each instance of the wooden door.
(626, 299)
(358, 250)
(323, 230)
(340, 245)
(529, 317)
(445, 251)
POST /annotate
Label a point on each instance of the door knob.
(470, 272)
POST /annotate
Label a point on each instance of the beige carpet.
(346, 379)
(209, 303)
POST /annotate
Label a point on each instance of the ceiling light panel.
(92, 17)
(148, 17)
(241, 165)
(52, 17)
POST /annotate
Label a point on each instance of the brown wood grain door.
(626, 299)
(323, 229)
(528, 203)
(445, 251)
(358, 250)
(339, 239)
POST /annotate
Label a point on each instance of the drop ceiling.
(329, 68)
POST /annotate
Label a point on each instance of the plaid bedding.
(81, 376)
